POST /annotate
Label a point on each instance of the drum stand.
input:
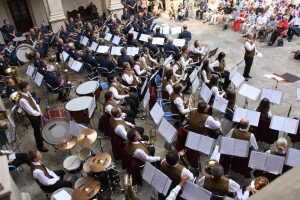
(100, 143)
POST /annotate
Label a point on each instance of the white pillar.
(115, 7)
(55, 13)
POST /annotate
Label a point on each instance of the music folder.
(205, 93)
(76, 65)
(195, 85)
(179, 42)
(266, 162)
(92, 107)
(234, 147)
(108, 37)
(146, 99)
(252, 116)
(293, 157)
(166, 30)
(175, 30)
(157, 113)
(284, 124)
(274, 96)
(116, 51)
(167, 130)
(158, 41)
(38, 79)
(194, 74)
(220, 104)
(192, 191)
(102, 49)
(236, 78)
(144, 37)
(30, 70)
(135, 34)
(132, 51)
(65, 56)
(249, 91)
(116, 40)
(94, 46)
(84, 40)
(156, 178)
(201, 143)
(298, 94)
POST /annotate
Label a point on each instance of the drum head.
(72, 163)
(22, 50)
(79, 103)
(56, 130)
(86, 165)
(85, 153)
(88, 87)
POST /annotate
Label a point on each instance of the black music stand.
(213, 52)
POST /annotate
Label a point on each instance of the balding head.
(250, 36)
(244, 123)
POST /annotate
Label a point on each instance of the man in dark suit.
(169, 46)
(185, 34)
(124, 58)
(152, 47)
(159, 34)
(72, 52)
(89, 58)
(106, 62)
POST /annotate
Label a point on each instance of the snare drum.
(86, 165)
(56, 126)
(79, 109)
(72, 164)
(89, 88)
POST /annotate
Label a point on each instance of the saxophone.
(130, 190)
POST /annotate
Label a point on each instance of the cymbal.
(86, 165)
(100, 162)
(88, 185)
(67, 144)
(87, 137)
(79, 195)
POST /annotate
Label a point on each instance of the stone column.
(55, 13)
(115, 7)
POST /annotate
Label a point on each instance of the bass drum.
(56, 126)
(24, 52)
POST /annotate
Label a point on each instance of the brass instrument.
(14, 97)
(183, 159)
(129, 189)
(12, 72)
(190, 102)
(258, 183)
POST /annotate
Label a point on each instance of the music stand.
(213, 52)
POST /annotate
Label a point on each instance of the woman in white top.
(206, 72)
(219, 66)
(214, 86)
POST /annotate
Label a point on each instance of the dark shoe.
(43, 149)
(270, 44)
(246, 79)
(289, 39)
(225, 27)
(249, 76)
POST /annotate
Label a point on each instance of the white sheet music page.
(76, 66)
(159, 181)
(192, 191)
(62, 195)
(102, 49)
(193, 75)
(144, 86)
(116, 40)
(135, 34)
(167, 186)
(241, 148)
(38, 79)
(257, 160)
(249, 91)
(84, 40)
(65, 55)
(290, 125)
(237, 79)
(206, 145)
(166, 30)
(192, 141)
(195, 85)
(94, 46)
(215, 154)
(176, 30)
(144, 37)
(253, 117)
(239, 113)
(179, 42)
(220, 104)
(30, 70)
(132, 51)
(116, 51)
(293, 157)
(274, 164)
(71, 61)
(157, 113)
(277, 123)
(158, 41)
(205, 93)
(148, 172)
(232, 71)
(298, 94)
(168, 60)
(108, 37)
(274, 96)
(146, 99)
(227, 146)
(167, 130)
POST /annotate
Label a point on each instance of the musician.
(131, 4)
(137, 148)
(206, 72)
(64, 33)
(45, 31)
(258, 183)
(122, 127)
(151, 62)
(72, 51)
(177, 103)
(8, 30)
(130, 79)
(170, 48)
(152, 47)
(264, 108)
(124, 58)
(3, 66)
(198, 51)
(185, 34)
(38, 63)
(126, 15)
(250, 52)
(47, 180)
(167, 85)
(200, 122)
(217, 183)
(20, 158)
(159, 34)
(147, 17)
(29, 39)
(60, 48)
(185, 59)
(33, 112)
(136, 24)
(179, 71)
(89, 58)
(213, 85)
(174, 192)
(119, 93)
(105, 61)
(140, 67)
(131, 42)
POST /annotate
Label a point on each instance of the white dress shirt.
(253, 142)
(245, 195)
(199, 50)
(204, 76)
(180, 105)
(173, 194)
(249, 46)
(40, 176)
(26, 106)
(233, 186)
(138, 70)
(128, 79)
(175, 68)
(184, 172)
(142, 156)
(169, 89)
(211, 123)
(215, 91)
(120, 129)
(116, 94)
(216, 63)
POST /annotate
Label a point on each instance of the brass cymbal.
(87, 137)
(88, 186)
(67, 144)
(79, 195)
(100, 162)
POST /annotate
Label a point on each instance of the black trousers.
(35, 122)
(248, 64)
(21, 158)
(225, 75)
(132, 101)
(59, 184)
(274, 36)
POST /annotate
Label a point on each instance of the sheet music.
(65, 56)
(274, 164)
(179, 42)
(62, 195)
(220, 104)
(192, 140)
(195, 85)
(94, 46)
(159, 181)
(237, 79)
(176, 30)
(206, 144)
(277, 123)
(116, 51)
(166, 30)
(293, 157)
(239, 113)
(284, 124)
(71, 61)
(227, 146)
(76, 66)
(30, 70)
(192, 191)
(167, 186)
(38, 79)
(274, 96)
(135, 34)
(252, 116)
(92, 107)
(257, 160)
(132, 51)
(102, 49)
(168, 60)
(144, 37)
(241, 148)
(116, 40)
(158, 41)
(193, 75)
(205, 93)
(157, 113)
(84, 40)
(167, 130)
(148, 172)
(232, 71)
(144, 86)
(249, 91)
(215, 155)
(108, 37)
(298, 94)
(75, 129)
(146, 99)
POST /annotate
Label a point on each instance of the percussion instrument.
(56, 126)
(79, 194)
(100, 162)
(84, 181)
(68, 190)
(88, 185)
(24, 52)
(72, 164)
(80, 109)
(86, 165)
(67, 144)
(89, 88)
(85, 153)
(86, 137)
